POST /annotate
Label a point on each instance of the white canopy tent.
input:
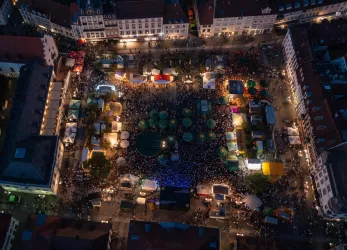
(149, 185)
(294, 140)
(292, 131)
(141, 201)
(116, 126)
(253, 164)
(252, 202)
(124, 135)
(70, 62)
(203, 190)
(155, 72)
(124, 144)
(168, 71)
(120, 161)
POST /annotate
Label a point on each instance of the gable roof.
(21, 49)
(175, 13)
(171, 235)
(128, 9)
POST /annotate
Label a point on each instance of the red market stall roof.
(78, 68)
(162, 77)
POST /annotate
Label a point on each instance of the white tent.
(169, 71)
(85, 153)
(294, 140)
(149, 185)
(253, 164)
(124, 135)
(203, 190)
(155, 72)
(116, 126)
(129, 178)
(124, 144)
(70, 62)
(70, 132)
(252, 202)
(120, 161)
(141, 201)
(112, 138)
(292, 131)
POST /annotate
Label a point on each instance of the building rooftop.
(264, 243)
(21, 49)
(5, 220)
(205, 11)
(175, 13)
(51, 232)
(171, 235)
(92, 4)
(237, 8)
(135, 9)
(27, 156)
(335, 160)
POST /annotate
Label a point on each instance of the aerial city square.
(167, 124)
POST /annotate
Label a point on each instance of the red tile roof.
(21, 49)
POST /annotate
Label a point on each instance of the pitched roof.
(237, 8)
(132, 9)
(52, 232)
(57, 13)
(175, 13)
(171, 235)
(205, 11)
(21, 49)
(335, 160)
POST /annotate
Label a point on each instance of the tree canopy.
(99, 167)
(257, 183)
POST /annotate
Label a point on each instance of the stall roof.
(270, 114)
(294, 140)
(149, 185)
(273, 169)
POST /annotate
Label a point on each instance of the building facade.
(50, 16)
(8, 225)
(16, 51)
(222, 17)
(330, 183)
(33, 155)
(5, 11)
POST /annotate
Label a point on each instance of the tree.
(264, 83)
(109, 96)
(251, 84)
(99, 166)
(257, 183)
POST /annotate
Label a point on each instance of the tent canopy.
(270, 114)
(272, 169)
(203, 190)
(292, 131)
(149, 185)
(252, 202)
(75, 104)
(294, 140)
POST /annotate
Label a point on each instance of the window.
(12, 70)
(122, 33)
(158, 31)
(329, 188)
(326, 206)
(146, 25)
(140, 32)
(147, 31)
(324, 191)
(208, 30)
(120, 27)
(133, 26)
(127, 26)
(321, 181)
(326, 178)
(320, 174)
(140, 26)
(153, 31)
(152, 25)
(134, 32)
(128, 32)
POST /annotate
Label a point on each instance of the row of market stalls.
(75, 60)
(71, 125)
(156, 76)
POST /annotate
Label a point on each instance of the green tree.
(252, 91)
(109, 96)
(99, 167)
(257, 183)
(105, 145)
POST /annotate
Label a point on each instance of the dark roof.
(5, 220)
(130, 9)
(235, 87)
(56, 12)
(107, 8)
(265, 243)
(335, 160)
(35, 164)
(301, 42)
(237, 8)
(336, 53)
(94, 4)
(21, 49)
(174, 198)
(35, 154)
(333, 33)
(205, 11)
(175, 13)
(63, 234)
(171, 235)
